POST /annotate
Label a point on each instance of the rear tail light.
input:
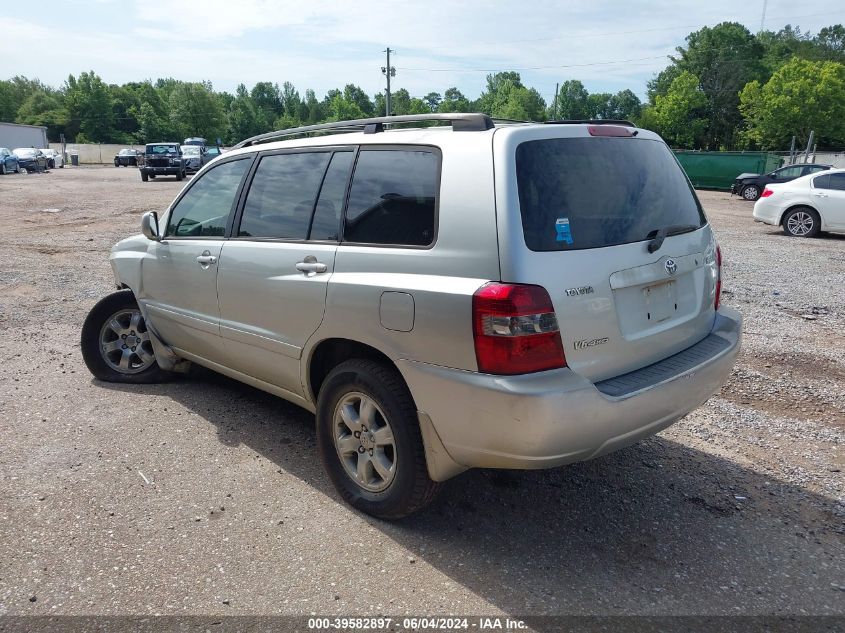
(718, 277)
(766, 193)
(515, 330)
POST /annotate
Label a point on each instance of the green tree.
(801, 96)
(89, 103)
(47, 109)
(625, 105)
(573, 101)
(354, 94)
(195, 111)
(454, 101)
(242, 120)
(680, 116)
(724, 58)
(267, 101)
(432, 100)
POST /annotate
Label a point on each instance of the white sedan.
(806, 205)
(54, 158)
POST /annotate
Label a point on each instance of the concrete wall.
(13, 135)
(94, 153)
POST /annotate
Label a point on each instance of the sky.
(322, 44)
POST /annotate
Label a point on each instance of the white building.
(14, 135)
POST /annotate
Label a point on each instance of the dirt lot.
(204, 496)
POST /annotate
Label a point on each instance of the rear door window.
(821, 182)
(837, 181)
(326, 222)
(578, 193)
(282, 195)
(393, 197)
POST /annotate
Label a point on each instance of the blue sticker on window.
(562, 231)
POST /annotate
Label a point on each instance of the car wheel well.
(798, 206)
(331, 352)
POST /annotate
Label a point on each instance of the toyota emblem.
(670, 266)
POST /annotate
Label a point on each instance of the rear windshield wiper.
(658, 235)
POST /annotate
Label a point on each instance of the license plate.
(661, 301)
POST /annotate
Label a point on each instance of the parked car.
(750, 186)
(8, 162)
(127, 157)
(162, 159)
(195, 140)
(54, 158)
(213, 152)
(442, 299)
(31, 159)
(195, 157)
(806, 205)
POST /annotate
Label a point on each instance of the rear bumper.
(767, 214)
(557, 417)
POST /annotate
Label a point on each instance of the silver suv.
(448, 297)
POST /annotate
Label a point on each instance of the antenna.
(763, 17)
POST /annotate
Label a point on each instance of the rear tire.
(116, 344)
(751, 193)
(144, 176)
(382, 470)
(802, 222)
(2, 169)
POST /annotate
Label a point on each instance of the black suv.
(750, 186)
(162, 159)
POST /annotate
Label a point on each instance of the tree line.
(725, 89)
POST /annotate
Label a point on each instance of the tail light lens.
(718, 277)
(766, 193)
(515, 330)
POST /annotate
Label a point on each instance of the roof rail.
(461, 122)
(593, 122)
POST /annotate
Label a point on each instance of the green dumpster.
(717, 170)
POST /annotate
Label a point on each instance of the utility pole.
(388, 71)
(557, 90)
(792, 152)
(763, 17)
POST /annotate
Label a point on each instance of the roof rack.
(461, 122)
(593, 122)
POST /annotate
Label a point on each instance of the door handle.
(311, 266)
(206, 259)
(820, 195)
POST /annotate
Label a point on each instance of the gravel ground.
(204, 496)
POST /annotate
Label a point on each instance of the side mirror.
(149, 226)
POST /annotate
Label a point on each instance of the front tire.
(179, 176)
(751, 193)
(369, 440)
(2, 169)
(802, 222)
(116, 344)
(144, 176)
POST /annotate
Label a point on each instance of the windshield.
(161, 149)
(577, 193)
(127, 152)
(191, 150)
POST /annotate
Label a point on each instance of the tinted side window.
(821, 182)
(204, 209)
(837, 181)
(393, 198)
(326, 222)
(789, 172)
(282, 195)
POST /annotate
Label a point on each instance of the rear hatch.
(607, 222)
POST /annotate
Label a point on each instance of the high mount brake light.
(515, 330)
(610, 130)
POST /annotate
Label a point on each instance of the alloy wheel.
(364, 442)
(125, 342)
(800, 223)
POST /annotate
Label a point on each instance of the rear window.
(577, 193)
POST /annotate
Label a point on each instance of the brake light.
(515, 329)
(766, 193)
(718, 277)
(610, 130)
